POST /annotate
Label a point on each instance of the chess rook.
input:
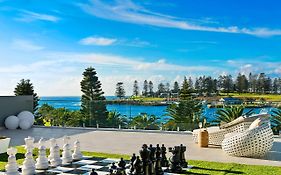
(12, 166)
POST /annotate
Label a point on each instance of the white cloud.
(127, 11)
(99, 41)
(29, 16)
(132, 63)
(25, 45)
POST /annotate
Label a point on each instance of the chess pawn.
(66, 153)
(53, 144)
(28, 167)
(42, 160)
(12, 166)
(54, 157)
(77, 155)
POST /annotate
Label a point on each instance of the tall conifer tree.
(93, 106)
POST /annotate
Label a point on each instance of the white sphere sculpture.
(12, 122)
(27, 116)
(24, 124)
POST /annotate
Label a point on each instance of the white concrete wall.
(12, 105)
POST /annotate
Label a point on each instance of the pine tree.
(136, 88)
(120, 91)
(176, 87)
(241, 83)
(25, 87)
(161, 89)
(145, 88)
(93, 106)
(185, 92)
(150, 87)
(190, 83)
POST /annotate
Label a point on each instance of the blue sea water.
(73, 103)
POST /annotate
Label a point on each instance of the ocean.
(73, 103)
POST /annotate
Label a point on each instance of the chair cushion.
(255, 124)
(234, 122)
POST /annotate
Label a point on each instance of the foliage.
(276, 120)
(145, 121)
(114, 119)
(120, 91)
(186, 114)
(60, 116)
(145, 88)
(25, 87)
(93, 106)
(176, 87)
(136, 89)
(229, 114)
(150, 87)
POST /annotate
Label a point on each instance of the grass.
(148, 99)
(200, 167)
(267, 97)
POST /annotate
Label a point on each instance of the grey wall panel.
(12, 105)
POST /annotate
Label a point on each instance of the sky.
(53, 42)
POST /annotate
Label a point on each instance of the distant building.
(230, 101)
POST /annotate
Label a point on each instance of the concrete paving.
(124, 142)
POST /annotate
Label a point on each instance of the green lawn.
(200, 167)
(267, 97)
(148, 99)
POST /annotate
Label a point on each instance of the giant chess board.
(84, 167)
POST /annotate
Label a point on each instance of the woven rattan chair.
(216, 134)
(250, 143)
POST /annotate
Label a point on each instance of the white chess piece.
(77, 155)
(66, 153)
(42, 160)
(12, 166)
(28, 166)
(53, 144)
(54, 156)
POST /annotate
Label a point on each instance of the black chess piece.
(175, 166)
(164, 160)
(145, 156)
(182, 157)
(93, 172)
(133, 158)
(158, 167)
(122, 164)
(152, 159)
(138, 167)
(113, 166)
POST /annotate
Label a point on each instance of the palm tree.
(145, 121)
(276, 119)
(114, 119)
(231, 113)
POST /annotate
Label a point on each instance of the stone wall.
(12, 105)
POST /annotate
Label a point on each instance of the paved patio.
(128, 142)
